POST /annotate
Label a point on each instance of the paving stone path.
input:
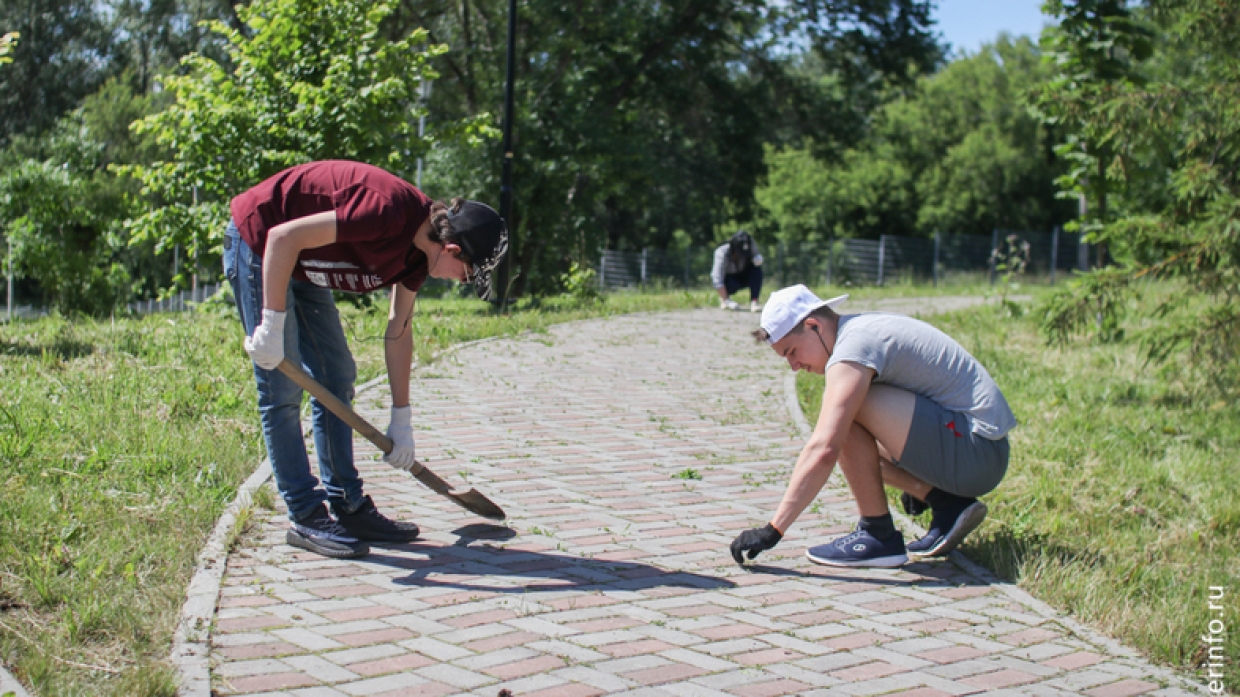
(628, 452)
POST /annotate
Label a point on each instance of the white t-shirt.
(912, 355)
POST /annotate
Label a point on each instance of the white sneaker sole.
(890, 562)
(968, 521)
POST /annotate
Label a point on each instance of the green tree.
(62, 208)
(64, 55)
(859, 196)
(59, 214)
(309, 80)
(640, 119)
(1173, 170)
(960, 152)
(1095, 47)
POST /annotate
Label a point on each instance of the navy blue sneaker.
(947, 530)
(860, 548)
(319, 533)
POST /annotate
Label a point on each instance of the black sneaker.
(320, 534)
(861, 549)
(947, 530)
(367, 523)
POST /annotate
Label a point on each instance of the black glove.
(754, 541)
(912, 505)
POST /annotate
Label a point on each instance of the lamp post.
(505, 192)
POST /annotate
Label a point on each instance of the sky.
(967, 24)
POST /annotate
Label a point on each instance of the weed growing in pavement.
(1119, 503)
(687, 473)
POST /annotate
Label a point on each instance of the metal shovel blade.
(471, 500)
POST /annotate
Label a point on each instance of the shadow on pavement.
(467, 567)
(926, 574)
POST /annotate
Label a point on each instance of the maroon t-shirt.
(377, 214)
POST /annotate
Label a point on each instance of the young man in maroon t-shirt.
(293, 239)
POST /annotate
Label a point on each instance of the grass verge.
(1120, 501)
(121, 442)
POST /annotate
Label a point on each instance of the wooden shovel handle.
(337, 407)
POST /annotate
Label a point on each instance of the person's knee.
(887, 413)
(340, 381)
(280, 399)
(860, 448)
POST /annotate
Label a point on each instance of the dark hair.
(822, 314)
(740, 247)
(441, 226)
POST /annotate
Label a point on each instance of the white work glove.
(400, 430)
(266, 345)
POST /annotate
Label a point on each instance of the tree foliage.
(959, 153)
(307, 80)
(1095, 48)
(7, 43)
(643, 122)
(62, 209)
(62, 57)
(70, 48)
(1172, 165)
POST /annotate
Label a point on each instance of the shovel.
(471, 500)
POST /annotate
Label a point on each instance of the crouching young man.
(904, 405)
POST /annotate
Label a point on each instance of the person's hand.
(754, 541)
(266, 345)
(400, 430)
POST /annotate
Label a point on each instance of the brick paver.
(628, 452)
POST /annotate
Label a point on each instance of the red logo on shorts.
(952, 425)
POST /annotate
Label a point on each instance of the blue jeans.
(314, 338)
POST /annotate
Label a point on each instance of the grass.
(1120, 501)
(121, 442)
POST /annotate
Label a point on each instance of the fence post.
(781, 250)
(688, 250)
(994, 250)
(1082, 253)
(644, 250)
(936, 258)
(882, 249)
(602, 271)
(10, 275)
(1054, 252)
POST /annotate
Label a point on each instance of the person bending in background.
(905, 405)
(738, 264)
(292, 240)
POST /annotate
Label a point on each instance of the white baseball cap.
(787, 307)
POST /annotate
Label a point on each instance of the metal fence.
(888, 259)
(180, 302)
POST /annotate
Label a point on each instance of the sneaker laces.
(851, 537)
(323, 525)
(373, 513)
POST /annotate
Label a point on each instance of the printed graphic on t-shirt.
(341, 275)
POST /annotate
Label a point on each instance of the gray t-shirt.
(912, 355)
